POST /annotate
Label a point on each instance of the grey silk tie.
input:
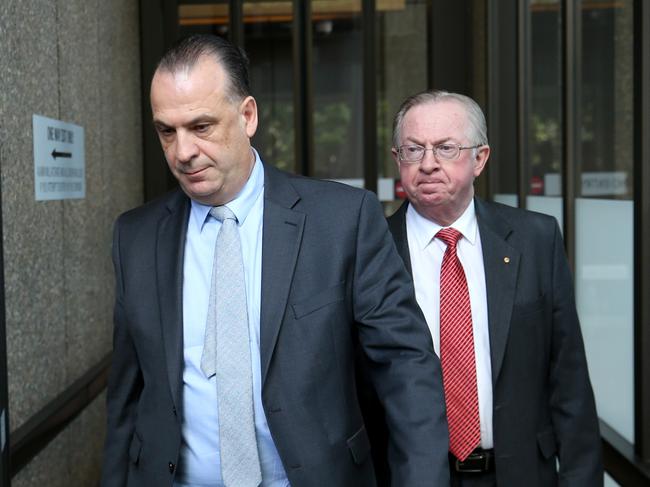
(226, 353)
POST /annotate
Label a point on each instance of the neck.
(443, 215)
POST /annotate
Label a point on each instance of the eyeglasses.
(447, 151)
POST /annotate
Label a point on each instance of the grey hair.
(477, 133)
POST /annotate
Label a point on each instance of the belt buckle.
(479, 463)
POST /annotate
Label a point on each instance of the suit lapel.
(170, 249)
(500, 277)
(397, 226)
(501, 263)
(282, 235)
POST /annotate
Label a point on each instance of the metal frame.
(571, 149)
(523, 98)
(621, 461)
(38, 431)
(628, 464)
(430, 29)
(502, 78)
(642, 229)
(236, 22)
(303, 99)
(493, 79)
(370, 169)
(158, 31)
(449, 37)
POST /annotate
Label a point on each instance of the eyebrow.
(437, 142)
(195, 121)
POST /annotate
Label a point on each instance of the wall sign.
(59, 160)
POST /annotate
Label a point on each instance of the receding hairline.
(435, 103)
(190, 65)
(474, 116)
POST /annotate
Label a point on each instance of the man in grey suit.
(322, 279)
(525, 395)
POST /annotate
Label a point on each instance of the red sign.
(399, 190)
(536, 185)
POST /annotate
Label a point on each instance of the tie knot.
(222, 213)
(450, 236)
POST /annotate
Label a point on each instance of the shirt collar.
(424, 230)
(243, 202)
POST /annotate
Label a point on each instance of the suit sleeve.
(124, 386)
(401, 364)
(573, 409)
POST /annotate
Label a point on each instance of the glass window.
(268, 42)
(604, 209)
(502, 116)
(337, 86)
(544, 161)
(610, 482)
(401, 71)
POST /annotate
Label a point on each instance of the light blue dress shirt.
(200, 463)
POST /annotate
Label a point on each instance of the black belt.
(479, 461)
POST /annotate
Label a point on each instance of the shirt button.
(172, 467)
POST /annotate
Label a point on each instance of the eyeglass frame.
(434, 151)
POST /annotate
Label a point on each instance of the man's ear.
(395, 154)
(482, 156)
(248, 110)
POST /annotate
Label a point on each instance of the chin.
(430, 202)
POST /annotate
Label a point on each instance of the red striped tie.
(457, 351)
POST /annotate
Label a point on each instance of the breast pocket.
(359, 446)
(529, 308)
(319, 300)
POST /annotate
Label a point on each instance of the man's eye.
(414, 149)
(201, 128)
(446, 148)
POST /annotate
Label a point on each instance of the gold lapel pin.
(506, 260)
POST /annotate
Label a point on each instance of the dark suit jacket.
(543, 402)
(332, 282)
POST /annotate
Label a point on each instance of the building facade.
(565, 85)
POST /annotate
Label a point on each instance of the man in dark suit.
(523, 391)
(322, 279)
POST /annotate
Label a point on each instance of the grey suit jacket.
(332, 283)
(543, 404)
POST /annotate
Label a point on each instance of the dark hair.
(187, 51)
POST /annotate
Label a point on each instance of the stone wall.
(77, 61)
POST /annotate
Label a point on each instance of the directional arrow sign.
(59, 160)
(56, 154)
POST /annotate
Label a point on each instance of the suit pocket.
(546, 443)
(319, 300)
(531, 308)
(135, 448)
(359, 446)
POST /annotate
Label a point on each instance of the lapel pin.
(506, 260)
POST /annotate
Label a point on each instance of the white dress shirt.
(200, 463)
(426, 258)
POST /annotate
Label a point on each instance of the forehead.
(435, 120)
(206, 78)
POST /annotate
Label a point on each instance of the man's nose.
(186, 148)
(429, 161)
